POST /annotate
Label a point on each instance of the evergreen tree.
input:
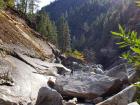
(6, 3)
(33, 4)
(86, 27)
(22, 5)
(64, 39)
(46, 27)
(67, 38)
(82, 40)
(92, 18)
(27, 6)
(10, 3)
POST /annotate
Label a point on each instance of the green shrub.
(6, 3)
(76, 54)
(131, 41)
(1, 4)
(10, 3)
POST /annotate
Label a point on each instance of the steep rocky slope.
(15, 35)
(25, 60)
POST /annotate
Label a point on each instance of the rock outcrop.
(28, 85)
(124, 72)
(17, 36)
(122, 98)
(26, 61)
(133, 103)
(86, 85)
(119, 72)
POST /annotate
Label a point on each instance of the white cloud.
(43, 3)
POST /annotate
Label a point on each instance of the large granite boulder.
(122, 98)
(48, 97)
(84, 104)
(119, 72)
(126, 73)
(86, 85)
(21, 85)
(133, 103)
(43, 67)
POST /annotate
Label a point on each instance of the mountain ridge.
(92, 21)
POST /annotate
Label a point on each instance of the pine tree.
(6, 3)
(33, 4)
(27, 6)
(9, 3)
(22, 5)
(64, 39)
(53, 33)
(41, 25)
(86, 27)
(67, 38)
(82, 40)
(46, 27)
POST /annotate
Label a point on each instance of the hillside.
(16, 36)
(91, 21)
(25, 60)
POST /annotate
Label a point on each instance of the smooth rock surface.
(133, 103)
(48, 97)
(28, 86)
(70, 102)
(84, 104)
(43, 66)
(119, 72)
(122, 98)
(86, 85)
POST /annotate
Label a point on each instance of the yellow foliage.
(75, 54)
(10, 3)
(137, 3)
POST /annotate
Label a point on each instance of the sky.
(43, 3)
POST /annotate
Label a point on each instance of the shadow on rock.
(48, 96)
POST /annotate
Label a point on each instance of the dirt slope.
(16, 35)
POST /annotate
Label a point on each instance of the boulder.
(122, 98)
(86, 85)
(125, 72)
(48, 97)
(89, 68)
(44, 67)
(132, 74)
(71, 102)
(119, 72)
(133, 103)
(97, 100)
(84, 104)
(28, 87)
